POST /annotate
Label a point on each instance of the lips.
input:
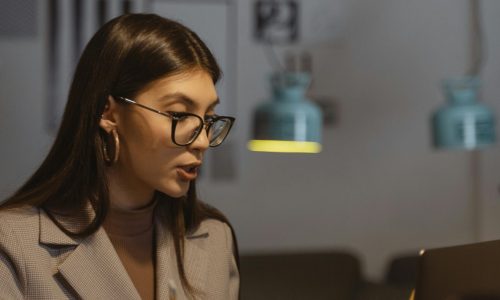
(188, 172)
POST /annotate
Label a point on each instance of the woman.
(112, 212)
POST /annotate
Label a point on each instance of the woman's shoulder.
(18, 215)
(20, 221)
(213, 226)
(19, 233)
(218, 233)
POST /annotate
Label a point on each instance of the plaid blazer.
(39, 261)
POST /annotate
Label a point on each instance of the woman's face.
(148, 159)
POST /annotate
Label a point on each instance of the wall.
(22, 107)
(378, 188)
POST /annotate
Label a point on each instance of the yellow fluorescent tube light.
(284, 146)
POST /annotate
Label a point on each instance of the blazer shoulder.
(213, 226)
(18, 237)
(21, 224)
(12, 217)
(218, 231)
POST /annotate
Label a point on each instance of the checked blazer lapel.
(93, 269)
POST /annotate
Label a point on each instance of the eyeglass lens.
(188, 127)
(218, 131)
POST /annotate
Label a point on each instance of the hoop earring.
(117, 148)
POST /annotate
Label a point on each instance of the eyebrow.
(180, 97)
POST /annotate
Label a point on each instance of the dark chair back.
(320, 275)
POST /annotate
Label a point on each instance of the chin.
(176, 191)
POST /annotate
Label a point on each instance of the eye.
(210, 117)
(175, 112)
(179, 116)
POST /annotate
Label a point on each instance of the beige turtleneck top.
(132, 234)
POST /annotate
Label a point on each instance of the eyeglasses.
(186, 127)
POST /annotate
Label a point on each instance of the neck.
(120, 222)
(126, 193)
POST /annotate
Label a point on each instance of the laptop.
(460, 272)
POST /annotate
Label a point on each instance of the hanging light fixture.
(289, 122)
(463, 122)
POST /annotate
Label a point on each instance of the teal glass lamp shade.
(289, 122)
(463, 122)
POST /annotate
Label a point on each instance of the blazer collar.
(94, 270)
(50, 234)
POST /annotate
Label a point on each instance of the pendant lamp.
(288, 122)
(463, 122)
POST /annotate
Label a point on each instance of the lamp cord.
(273, 58)
(477, 50)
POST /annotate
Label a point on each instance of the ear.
(110, 115)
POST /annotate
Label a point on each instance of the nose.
(201, 142)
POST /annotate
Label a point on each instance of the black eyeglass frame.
(176, 116)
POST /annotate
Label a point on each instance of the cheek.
(147, 148)
(156, 160)
(152, 156)
(145, 136)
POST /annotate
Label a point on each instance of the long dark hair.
(124, 56)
